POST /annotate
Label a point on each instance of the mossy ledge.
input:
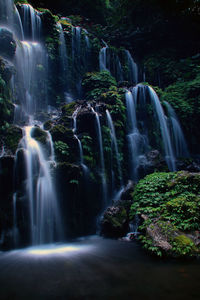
(168, 205)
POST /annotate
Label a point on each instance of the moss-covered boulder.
(114, 222)
(11, 137)
(65, 143)
(39, 135)
(170, 203)
(96, 83)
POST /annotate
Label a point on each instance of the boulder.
(7, 69)
(7, 43)
(115, 222)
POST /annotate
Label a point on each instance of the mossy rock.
(7, 69)
(12, 137)
(96, 83)
(61, 133)
(68, 109)
(39, 135)
(48, 125)
(7, 42)
(115, 222)
(164, 239)
(168, 197)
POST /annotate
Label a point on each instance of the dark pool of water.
(96, 268)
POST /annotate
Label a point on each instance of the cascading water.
(31, 21)
(132, 66)
(31, 64)
(30, 87)
(76, 57)
(103, 58)
(63, 59)
(115, 149)
(44, 217)
(169, 153)
(179, 142)
(10, 18)
(102, 162)
(83, 165)
(137, 142)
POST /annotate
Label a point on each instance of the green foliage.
(152, 194)
(62, 149)
(183, 245)
(87, 144)
(97, 83)
(172, 203)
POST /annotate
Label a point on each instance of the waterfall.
(103, 58)
(39, 195)
(180, 145)
(83, 165)
(87, 53)
(45, 225)
(132, 67)
(31, 22)
(119, 72)
(10, 18)
(114, 145)
(137, 130)
(102, 162)
(137, 142)
(63, 58)
(169, 154)
(15, 228)
(76, 57)
(31, 64)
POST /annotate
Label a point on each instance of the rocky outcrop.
(115, 222)
(7, 42)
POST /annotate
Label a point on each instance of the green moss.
(183, 245)
(39, 135)
(97, 83)
(12, 136)
(68, 109)
(172, 203)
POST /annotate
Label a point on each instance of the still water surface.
(95, 268)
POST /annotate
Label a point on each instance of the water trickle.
(179, 142)
(114, 145)
(133, 70)
(15, 229)
(169, 154)
(76, 57)
(102, 163)
(63, 58)
(83, 165)
(103, 58)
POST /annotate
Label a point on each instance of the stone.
(114, 222)
(7, 43)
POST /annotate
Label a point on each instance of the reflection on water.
(95, 268)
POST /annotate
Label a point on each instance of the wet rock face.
(7, 69)
(128, 190)
(151, 162)
(114, 222)
(7, 42)
(86, 121)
